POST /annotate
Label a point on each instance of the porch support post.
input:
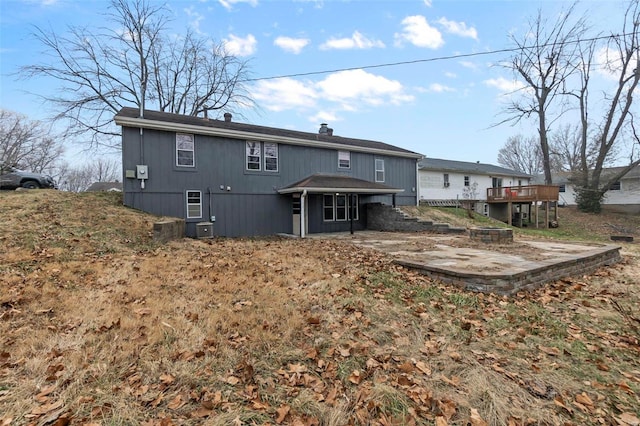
(547, 215)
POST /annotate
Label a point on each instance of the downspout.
(417, 183)
(303, 221)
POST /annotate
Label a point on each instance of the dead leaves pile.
(378, 345)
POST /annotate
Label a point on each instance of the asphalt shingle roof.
(260, 130)
(344, 183)
(463, 166)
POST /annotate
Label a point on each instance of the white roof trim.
(238, 134)
(341, 190)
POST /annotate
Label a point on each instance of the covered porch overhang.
(319, 183)
(334, 184)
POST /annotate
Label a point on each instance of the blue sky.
(442, 108)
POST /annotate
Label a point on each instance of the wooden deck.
(523, 194)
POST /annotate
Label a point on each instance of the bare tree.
(137, 63)
(521, 154)
(621, 57)
(79, 178)
(545, 59)
(28, 144)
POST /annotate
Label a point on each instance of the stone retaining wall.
(510, 284)
(382, 217)
(167, 230)
(492, 235)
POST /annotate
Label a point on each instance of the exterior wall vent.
(204, 230)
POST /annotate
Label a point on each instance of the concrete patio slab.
(499, 268)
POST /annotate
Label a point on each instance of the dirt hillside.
(99, 325)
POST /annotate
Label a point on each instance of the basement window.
(194, 204)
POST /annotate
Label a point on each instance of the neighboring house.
(623, 196)
(252, 180)
(105, 187)
(446, 182)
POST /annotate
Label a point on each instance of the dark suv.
(12, 178)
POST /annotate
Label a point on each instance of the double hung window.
(194, 204)
(261, 156)
(185, 150)
(379, 170)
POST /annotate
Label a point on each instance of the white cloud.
(469, 64)
(341, 91)
(610, 64)
(228, 4)
(284, 93)
(427, 3)
(361, 86)
(440, 88)
(458, 28)
(324, 117)
(418, 32)
(292, 45)
(356, 41)
(504, 85)
(196, 18)
(240, 46)
(450, 74)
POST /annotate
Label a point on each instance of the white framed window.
(328, 214)
(379, 170)
(185, 150)
(344, 159)
(466, 181)
(194, 204)
(562, 188)
(615, 186)
(355, 207)
(270, 157)
(337, 207)
(253, 155)
(341, 207)
(261, 156)
(445, 178)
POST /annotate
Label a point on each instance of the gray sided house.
(252, 180)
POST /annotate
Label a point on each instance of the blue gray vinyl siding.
(244, 202)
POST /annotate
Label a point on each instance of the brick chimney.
(323, 129)
(227, 117)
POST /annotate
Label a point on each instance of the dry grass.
(99, 325)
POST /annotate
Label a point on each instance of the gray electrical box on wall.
(142, 171)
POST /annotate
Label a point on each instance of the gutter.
(342, 190)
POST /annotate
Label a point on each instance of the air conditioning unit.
(204, 230)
